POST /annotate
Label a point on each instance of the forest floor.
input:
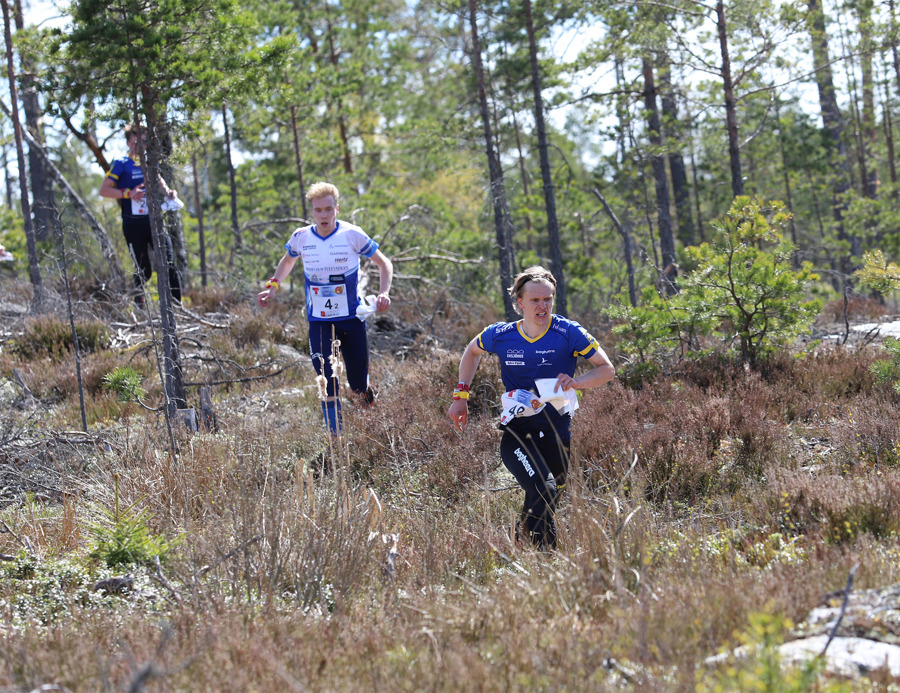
(709, 513)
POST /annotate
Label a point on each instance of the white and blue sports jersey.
(331, 268)
(523, 360)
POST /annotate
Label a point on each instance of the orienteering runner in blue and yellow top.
(538, 355)
(331, 251)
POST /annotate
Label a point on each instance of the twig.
(159, 577)
(391, 560)
(215, 564)
(843, 608)
(22, 540)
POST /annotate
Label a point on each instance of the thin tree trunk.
(235, 229)
(41, 191)
(64, 267)
(831, 118)
(172, 220)
(299, 160)
(734, 146)
(667, 271)
(869, 130)
(523, 173)
(174, 377)
(626, 241)
(546, 173)
(103, 240)
(889, 142)
(786, 178)
(895, 54)
(39, 301)
(498, 193)
(342, 123)
(684, 220)
(198, 206)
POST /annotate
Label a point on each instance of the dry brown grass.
(699, 500)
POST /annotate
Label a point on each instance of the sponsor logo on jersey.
(338, 290)
(503, 328)
(523, 458)
(546, 351)
(514, 363)
(309, 247)
(342, 260)
(336, 278)
(515, 354)
(544, 362)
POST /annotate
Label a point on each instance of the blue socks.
(331, 412)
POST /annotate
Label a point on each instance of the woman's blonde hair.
(535, 273)
(321, 189)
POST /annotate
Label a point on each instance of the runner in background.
(331, 251)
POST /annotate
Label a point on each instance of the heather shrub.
(836, 508)
(51, 336)
(214, 299)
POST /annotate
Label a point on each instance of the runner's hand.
(263, 297)
(459, 413)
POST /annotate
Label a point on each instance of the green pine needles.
(121, 536)
(125, 382)
(745, 292)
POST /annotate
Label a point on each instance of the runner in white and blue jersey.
(538, 355)
(331, 251)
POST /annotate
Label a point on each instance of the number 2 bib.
(140, 209)
(330, 301)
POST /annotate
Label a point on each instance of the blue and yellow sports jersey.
(126, 174)
(331, 268)
(522, 360)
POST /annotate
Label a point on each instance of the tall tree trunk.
(235, 229)
(868, 129)
(892, 37)
(889, 140)
(339, 106)
(174, 377)
(40, 299)
(8, 178)
(44, 208)
(172, 220)
(546, 173)
(498, 193)
(198, 206)
(299, 160)
(831, 118)
(684, 220)
(523, 173)
(103, 240)
(786, 178)
(734, 145)
(667, 270)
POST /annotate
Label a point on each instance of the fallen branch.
(843, 609)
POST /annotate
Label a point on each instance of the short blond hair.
(535, 273)
(321, 189)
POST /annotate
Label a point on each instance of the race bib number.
(141, 208)
(330, 301)
(518, 403)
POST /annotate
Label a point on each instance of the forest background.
(708, 181)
